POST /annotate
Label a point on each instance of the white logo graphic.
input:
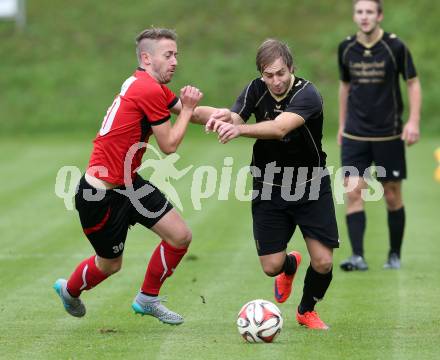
(208, 180)
(396, 173)
(164, 170)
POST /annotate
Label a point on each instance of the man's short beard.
(372, 30)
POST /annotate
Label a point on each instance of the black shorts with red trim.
(388, 154)
(106, 215)
(275, 219)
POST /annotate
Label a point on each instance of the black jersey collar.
(282, 97)
(370, 44)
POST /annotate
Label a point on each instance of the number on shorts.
(118, 248)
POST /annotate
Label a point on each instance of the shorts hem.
(265, 252)
(154, 221)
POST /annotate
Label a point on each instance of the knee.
(354, 196)
(184, 239)
(323, 264)
(114, 269)
(110, 266)
(271, 269)
(391, 197)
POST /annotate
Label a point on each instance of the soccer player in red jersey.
(112, 196)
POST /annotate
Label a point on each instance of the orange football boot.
(283, 282)
(311, 320)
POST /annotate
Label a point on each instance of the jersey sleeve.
(154, 104)
(344, 72)
(245, 103)
(405, 64)
(172, 99)
(307, 102)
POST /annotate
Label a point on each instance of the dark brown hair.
(269, 51)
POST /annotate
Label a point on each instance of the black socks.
(356, 228)
(396, 226)
(290, 265)
(315, 287)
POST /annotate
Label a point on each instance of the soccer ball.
(259, 321)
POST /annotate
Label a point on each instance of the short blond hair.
(378, 2)
(152, 34)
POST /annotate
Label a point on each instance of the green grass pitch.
(373, 315)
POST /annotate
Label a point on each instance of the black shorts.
(275, 220)
(106, 221)
(388, 154)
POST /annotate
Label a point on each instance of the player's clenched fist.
(190, 96)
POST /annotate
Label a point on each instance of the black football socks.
(290, 265)
(315, 287)
(396, 226)
(356, 223)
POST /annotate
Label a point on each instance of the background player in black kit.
(370, 123)
(289, 115)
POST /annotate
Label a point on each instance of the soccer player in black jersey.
(291, 185)
(370, 123)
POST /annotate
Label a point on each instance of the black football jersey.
(375, 105)
(299, 148)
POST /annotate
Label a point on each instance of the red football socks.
(85, 277)
(163, 262)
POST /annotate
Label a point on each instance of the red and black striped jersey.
(141, 103)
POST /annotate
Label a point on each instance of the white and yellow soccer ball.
(259, 321)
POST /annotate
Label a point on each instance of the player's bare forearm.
(414, 100)
(262, 130)
(270, 129)
(411, 130)
(181, 124)
(189, 96)
(202, 114)
(170, 136)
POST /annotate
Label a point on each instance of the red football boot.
(311, 320)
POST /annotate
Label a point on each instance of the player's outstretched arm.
(411, 130)
(271, 129)
(221, 116)
(170, 136)
(202, 114)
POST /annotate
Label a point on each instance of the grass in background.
(63, 71)
(374, 315)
